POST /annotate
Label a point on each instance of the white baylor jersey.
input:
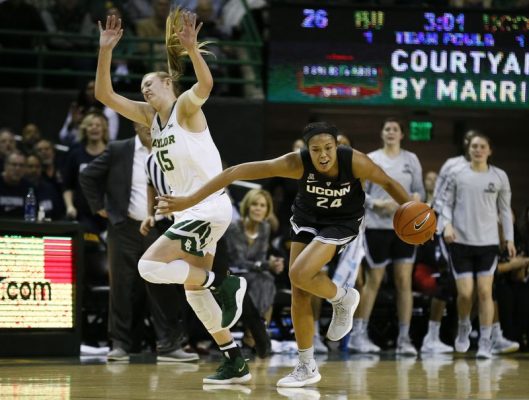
(188, 160)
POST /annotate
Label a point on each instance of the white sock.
(340, 292)
(404, 331)
(306, 355)
(464, 321)
(496, 330)
(433, 329)
(358, 325)
(485, 331)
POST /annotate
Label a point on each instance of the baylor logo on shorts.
(193, 234)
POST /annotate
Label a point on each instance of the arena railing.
(240, 60)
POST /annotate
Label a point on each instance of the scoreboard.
(399, 56)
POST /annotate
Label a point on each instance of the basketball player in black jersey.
(327, 214)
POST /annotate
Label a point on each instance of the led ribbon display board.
(36, 282)
(410, 57)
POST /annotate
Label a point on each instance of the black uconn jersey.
(324, 201)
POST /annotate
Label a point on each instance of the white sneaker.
(434, 345)
(118, 354)
(304, 374)
(484, 348)
(502, 345)
(319, 346)
(405, 347)
(342, 315)
(360, 343)
(462, 342)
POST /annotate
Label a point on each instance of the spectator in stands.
(49, 199)
(50, 165)
(30, 136)
(21, 16)
(429, 185)
(483, 195)
(13, 186)
(86, 103)
(70, 18)
(344, 140)
(138, 9)
(7, 145)
(93, 135)
(199, 5)
(382, 244)
(471, 3)
(154, 28)
(248, 244)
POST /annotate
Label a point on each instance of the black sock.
(217, 281)
(213, 280)
(230, 350)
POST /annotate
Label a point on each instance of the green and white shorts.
(200, 227)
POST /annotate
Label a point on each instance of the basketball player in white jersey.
(188, 157)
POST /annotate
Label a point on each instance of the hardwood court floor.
(343, 377)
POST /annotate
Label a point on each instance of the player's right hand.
(109, 37)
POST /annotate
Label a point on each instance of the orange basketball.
(414, 222)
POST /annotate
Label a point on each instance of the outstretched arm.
(136, 111)
(287, 166)
(365, 168)
(190, 102)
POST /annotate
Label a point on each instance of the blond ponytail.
(175, 50)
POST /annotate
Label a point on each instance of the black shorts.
(339, 235)
(472, 261)
(383, 247)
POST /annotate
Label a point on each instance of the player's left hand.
(189, 31)
(168, 204)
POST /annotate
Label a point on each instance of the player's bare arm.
(136, 111)
(365, 168)
(287, 166)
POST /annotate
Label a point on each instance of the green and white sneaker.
(230, 371)
(231, 295)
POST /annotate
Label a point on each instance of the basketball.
(415, 222)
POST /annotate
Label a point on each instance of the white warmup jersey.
(188, 160)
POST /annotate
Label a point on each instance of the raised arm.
(365, 168)
(136, 111)
(287, 166)
(191, 102)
